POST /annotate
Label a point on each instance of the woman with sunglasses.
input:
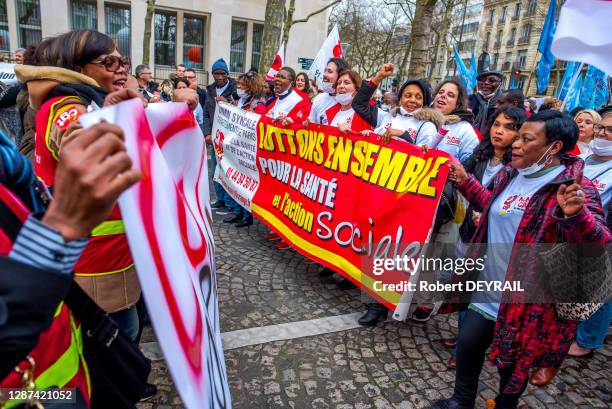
(74, 73)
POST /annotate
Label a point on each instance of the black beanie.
(421, 84)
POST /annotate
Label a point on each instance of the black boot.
(373, 314)
(232, 219)
(244, 223)
(218, 204)
(346, 284)
(326, 272)
(451, 403)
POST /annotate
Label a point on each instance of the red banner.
(345, 200)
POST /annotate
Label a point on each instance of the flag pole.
(571, 87)
(535, 64)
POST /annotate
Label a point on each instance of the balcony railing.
(510, 43)
(523, 40)
(514, 18)
(506, 66)
(497, 44)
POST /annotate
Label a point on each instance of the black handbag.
(118, 368)
(579, 278)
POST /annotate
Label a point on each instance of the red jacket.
(298, 107)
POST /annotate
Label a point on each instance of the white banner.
(234, 131)
(167, 218)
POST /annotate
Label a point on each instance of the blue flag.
(473, 72)
(467, 77)
(548, 59)
(570, 71)
(573, 95)
(594, 92)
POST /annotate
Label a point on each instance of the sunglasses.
(112, 63)
(489, 80)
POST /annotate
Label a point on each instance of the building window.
(5, 43)
(522, 59)
(164, 27)
(495, 60)
(498, 39)
(487, 41)
(193, 41)
(28, 22)
(117, 22)
(491, 16)
(238, 46)
(257, 37)
(525, 34)
(512, 37)
(531, 7)
(521, 83)
(517, 11)
(83, 14)
(502, 16)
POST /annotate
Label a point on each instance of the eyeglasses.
(489, 80)
(112, 63)
(598, 128)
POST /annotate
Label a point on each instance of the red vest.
(58, 356)
(107, 251)
(357, 124)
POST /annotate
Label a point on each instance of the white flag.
(331, 48)
(583, 33)
(278, 62)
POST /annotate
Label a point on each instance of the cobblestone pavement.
(392, 365)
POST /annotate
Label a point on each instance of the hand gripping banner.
(343, 200)
(168, 224)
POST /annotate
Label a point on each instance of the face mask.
(403, 112)
(241, 93)
(601, 147)
(328, 87)
(537, 166)
(385, 107)
(344, 99)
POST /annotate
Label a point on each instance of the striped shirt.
(43, 247)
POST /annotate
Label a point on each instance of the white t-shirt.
(459, 139)
(600, 173)
(343, 117)
(285, 106)
(490, 172)
(407, 122)
(505, 216)
(320, 104)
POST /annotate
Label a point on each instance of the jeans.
(592, 332)
(475, 336)
(127, 321)
(220, 193)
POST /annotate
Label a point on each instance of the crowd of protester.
(74, 239)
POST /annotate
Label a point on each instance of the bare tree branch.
(304, 20)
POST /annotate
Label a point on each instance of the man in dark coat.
(483, 102)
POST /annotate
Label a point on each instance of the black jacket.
(361, 104)
(202, 96)
(211, 103)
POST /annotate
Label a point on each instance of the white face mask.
(344, 99)
(241, 93)
(403, 112)
(537, 166)
(601, 147)
(385, 107)
(328, 87)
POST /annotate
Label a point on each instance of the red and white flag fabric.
(167, 217)
(330, 48)
(277, 64)
(583, 33)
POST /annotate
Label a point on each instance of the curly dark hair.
(485, 151)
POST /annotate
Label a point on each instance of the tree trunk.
(146, 39)
(419, 38)
(402, 68)
(288, 22)
(445, 25)
(273, 23)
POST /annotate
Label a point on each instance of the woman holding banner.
(539, 196)
(342, 115)
(412, 121)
